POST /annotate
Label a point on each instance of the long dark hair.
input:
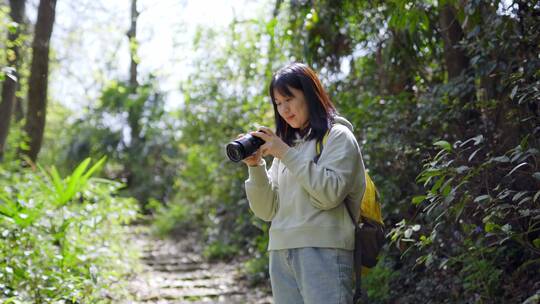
(321, 109)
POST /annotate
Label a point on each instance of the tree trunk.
(132, 35)
(452, 33)
(134, 111)
(10, 85)
(39, 73)
(18, 111)
(457, 64)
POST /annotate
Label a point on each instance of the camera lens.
(243, 147)
(235, 151)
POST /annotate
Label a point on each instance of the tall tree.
(134, 111)
(132, 36)
(39, 74)
(9, 87)
(455, 58)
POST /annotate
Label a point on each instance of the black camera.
(243, 147)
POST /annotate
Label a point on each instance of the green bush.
(376, 282)
(220, 251)
(256, 269)
(171, 219)
(63, 238)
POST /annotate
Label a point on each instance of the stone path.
(175, 272)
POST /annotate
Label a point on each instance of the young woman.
(304, 195)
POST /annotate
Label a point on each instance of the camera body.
(243, 147)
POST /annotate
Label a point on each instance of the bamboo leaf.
(74, 181)
(418, 199)
(501, 159)
(95, 167)
(536, 196)
(57, 182)
(8, 209)
(518, 195)
(515, 168)
(443, 144)
(462, 169)
(514, 91)
(481, 198)
(474, 154)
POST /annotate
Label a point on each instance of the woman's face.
(293, 109)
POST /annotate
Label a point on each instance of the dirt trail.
(175, 272)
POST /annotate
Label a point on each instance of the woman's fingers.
(261, 135)
(267, 131)
(264, 150)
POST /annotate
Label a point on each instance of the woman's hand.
(254, 159)
(273, 144)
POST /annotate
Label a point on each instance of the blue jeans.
(312, 275)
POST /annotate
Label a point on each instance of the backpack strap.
(320, 144)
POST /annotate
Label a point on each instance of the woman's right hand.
(254, 159)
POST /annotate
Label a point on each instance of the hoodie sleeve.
(338, 169)
(262, 190)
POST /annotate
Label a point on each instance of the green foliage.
(478, 225)
(377, 282)
(129, 126)
(220, 251)
(63, 238)
(175, 218)
(480, 277)
(256, 270)
(225, 97)
(17, 140)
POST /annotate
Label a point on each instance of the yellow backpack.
(370, 207)
(371, 204)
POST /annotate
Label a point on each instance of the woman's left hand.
(273, 144)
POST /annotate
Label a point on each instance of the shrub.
(63, 238)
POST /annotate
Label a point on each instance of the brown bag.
(368, 242)
(369, 239)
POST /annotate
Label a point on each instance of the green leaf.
(501, 159)
(526, 199)
(490, 227)
(518, 195)
(474, 154)
(462, 169)
(57, 181)
(95, 167)
(74, 181)
(477, 139)
(514, 91)
(12, 27)
(536, 196)
(437, 185)
(443, 144)
(506, 228)
(515, 168)
(8, 208)
(418, 199)
(536, 242)
(481, 198)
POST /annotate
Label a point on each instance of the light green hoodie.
(304, 200)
